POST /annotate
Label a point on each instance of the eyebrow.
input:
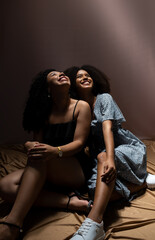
(52, 72)
(80, 74)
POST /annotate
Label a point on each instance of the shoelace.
(83, 230)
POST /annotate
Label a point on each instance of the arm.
(81, 131)
(45, 151)
(109, 170)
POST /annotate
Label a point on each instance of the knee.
(5, 186)
(101, 157)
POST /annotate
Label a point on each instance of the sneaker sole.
(151, 186)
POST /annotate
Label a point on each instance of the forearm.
(70, 149)
(41, 151)
(107, 159)
(109, 141)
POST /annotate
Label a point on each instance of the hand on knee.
(107, 168)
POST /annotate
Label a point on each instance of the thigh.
(65, 172)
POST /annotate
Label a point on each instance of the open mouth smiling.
(63, 78)
(85, 82)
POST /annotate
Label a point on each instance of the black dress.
(59, 134)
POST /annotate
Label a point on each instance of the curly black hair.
(100, 80)
(38, 105)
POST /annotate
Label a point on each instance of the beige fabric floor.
(134, 221)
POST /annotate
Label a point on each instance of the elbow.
(80, 145)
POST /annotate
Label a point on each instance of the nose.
(85, 77)
(61, 74)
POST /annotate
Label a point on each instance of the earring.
(49, 95)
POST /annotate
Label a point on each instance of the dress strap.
(75, 108)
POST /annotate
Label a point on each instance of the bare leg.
(60, 200)
(31, 184)
(32, 181)
(103, 193)
(9, 186)
(92, 227)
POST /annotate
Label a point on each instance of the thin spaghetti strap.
(75, 108)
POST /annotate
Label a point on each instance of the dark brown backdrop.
(115, 36)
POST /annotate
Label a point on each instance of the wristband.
(60, 153)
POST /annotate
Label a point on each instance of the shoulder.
(82, 103)
(81, 106)
(104, 98)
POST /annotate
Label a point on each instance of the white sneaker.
(89, 230)
(150, 181)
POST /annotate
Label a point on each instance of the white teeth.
(63, 78)
(85, 82)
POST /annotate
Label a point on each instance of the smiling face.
(83, 80)
(57, 78)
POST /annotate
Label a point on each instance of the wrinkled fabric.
(130, 152)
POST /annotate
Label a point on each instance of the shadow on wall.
(117, 37)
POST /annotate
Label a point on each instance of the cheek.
(52, 80)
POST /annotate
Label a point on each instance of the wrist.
(110, 159)
(60, 152)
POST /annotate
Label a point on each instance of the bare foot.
(76, 204)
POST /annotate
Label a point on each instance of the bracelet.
(60, 153)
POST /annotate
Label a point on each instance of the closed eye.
(53, 74)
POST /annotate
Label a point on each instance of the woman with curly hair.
(119, 156)
(60, 126)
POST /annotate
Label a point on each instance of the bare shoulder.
(82, 109)
(82, 103)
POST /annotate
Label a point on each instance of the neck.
(89, 98)
(60, 101)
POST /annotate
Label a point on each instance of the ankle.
(95, 217)
(13, 221)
